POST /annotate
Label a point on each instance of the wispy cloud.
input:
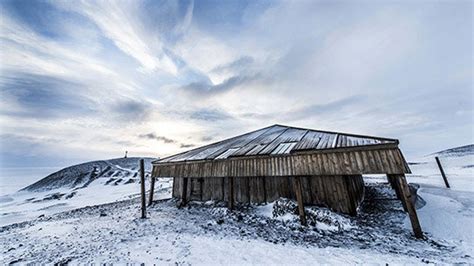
(119, 22)
(204, 89)
(210, 115)
(207, 138)
(185, 146)
(131, 111)
(159, 138)
(105, 72)
(40, 96)
(165, 140)
(238, 65)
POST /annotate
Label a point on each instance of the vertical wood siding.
(385, 161)
(342, 193)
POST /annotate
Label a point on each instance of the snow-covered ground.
(62, 229)
(459, 170)
(208, 234)
(24, 205)
(87, 184)
(448, 215)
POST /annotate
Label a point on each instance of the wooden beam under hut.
(231, 193)
(410, 205)
(299, 199)
(184, 192)
(392, 179)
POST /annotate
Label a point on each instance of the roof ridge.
(338, 132)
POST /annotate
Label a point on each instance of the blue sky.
(84, 80)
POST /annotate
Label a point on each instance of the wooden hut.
(312, 166)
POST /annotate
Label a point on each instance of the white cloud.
(373, 68)
(204, 52)
(120, 22)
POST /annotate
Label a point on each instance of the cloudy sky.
(84, 80)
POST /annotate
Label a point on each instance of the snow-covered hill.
(458, 151)
(458, 164)
(81, 185)
(116, 171)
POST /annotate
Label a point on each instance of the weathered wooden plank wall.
(351, 162)
(340, 193)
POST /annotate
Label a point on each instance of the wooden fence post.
(442, 172)
(152, 190)
(142, 187)
(299, 199)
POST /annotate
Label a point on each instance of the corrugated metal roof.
(277, 139)
(284, 148)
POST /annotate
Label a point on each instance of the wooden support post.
(299, 199)
(391, 182)
(442, 172)
(231, 193)
(352, 200)
(201, 181)
(392, 179)
(407, 198)
(152, 190)
(184, 192)
(142, 187)
(223, 188)
(264, 188)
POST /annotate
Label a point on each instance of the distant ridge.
(458, 151)
(117, 171)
